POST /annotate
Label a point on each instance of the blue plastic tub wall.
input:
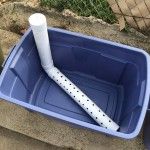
(115, 76)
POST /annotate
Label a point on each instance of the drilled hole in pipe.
(91, 112)
(61, 76)
(65, 80)
(77, 91)
(109, 120)
(70, 84)
(87, 100)
(82, 95)
(93, 104)
(96, 117)
(99, 111)
(103, 114)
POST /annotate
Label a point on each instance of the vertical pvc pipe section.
(39, 28)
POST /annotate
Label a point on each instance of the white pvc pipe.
(39, 28)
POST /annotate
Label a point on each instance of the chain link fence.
(97, 8)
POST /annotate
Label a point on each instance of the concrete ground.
(14, 18)
(10, 140)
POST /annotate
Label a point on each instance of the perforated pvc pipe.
(39, 28)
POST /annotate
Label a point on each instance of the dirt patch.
(8, 40)
(14, 141)
(14, 17)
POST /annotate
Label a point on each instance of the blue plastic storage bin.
(113, 75)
